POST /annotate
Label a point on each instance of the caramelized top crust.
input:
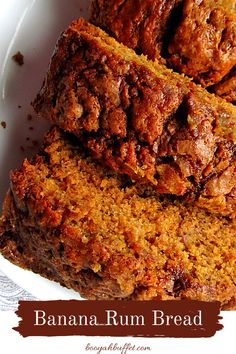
(141, 25)
(141, 119)
(227, 87)
(204, 44)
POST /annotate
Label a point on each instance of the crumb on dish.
(18, 58)
(4, 124)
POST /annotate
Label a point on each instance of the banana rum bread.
(141, 119)
(196, 37)
(73, 221)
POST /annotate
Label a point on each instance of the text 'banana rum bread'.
(195, 37)
(74, 221)
(142, 119)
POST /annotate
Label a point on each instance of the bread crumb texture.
(78, 223)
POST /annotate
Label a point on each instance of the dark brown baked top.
(227, 87)
(74, 221)
(197, 38)
(141, 119)
(204, 43)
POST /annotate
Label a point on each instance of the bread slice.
(197, 38)
(141, 119)
(74, 221)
